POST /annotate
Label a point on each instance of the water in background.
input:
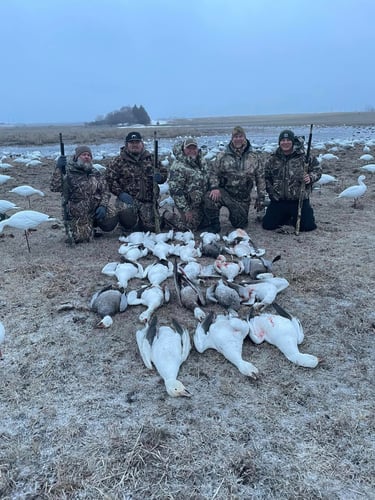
(259, 137)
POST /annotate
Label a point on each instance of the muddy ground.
(82, 417)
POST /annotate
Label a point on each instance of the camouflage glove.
(61, 163)
(100, 213)
(126, 198)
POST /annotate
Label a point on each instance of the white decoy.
(26, 192)
(6, 205)
(228, 269)
(166, 349)
(25, 220)
(366, 157)
(225, 335)
(107, 303)
(324, 179)
(4, 178)
(2, 338)
(152, 297)
(284, 333)
(158, 272)
(370, 168)
(327, 157)
(355, 192)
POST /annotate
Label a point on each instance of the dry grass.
(82, 418)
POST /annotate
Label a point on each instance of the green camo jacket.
(284, 174)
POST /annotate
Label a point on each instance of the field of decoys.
(267, 336)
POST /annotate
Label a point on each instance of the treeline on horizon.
(127, 115)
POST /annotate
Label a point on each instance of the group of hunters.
(127, 193)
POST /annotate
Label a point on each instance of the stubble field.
(82, 417)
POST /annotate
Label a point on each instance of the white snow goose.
(165, 348)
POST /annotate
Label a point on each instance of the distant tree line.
(126, 115)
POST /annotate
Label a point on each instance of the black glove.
(126, 198)
(100, 213)
(158, 178)
(61, 163)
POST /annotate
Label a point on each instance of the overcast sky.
(66, 61)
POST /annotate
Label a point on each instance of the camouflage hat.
(287, 134)
(190, 141)
(81, 149)
(133, 136)
(238, 130)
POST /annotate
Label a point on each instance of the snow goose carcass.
(165, 348)
(107, 303)
(285, 333)
(226, 335)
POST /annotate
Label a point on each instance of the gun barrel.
(62, 147)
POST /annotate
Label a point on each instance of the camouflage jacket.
(284, 174)
(188, 181)
(134, 175)
(81, 185)
(237, 173)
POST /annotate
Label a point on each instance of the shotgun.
(155, 186)
(65, 196)
(303, 185)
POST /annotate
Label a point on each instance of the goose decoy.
(284, 332)
(355, 192)
(226, 335)
(224, 295)
(27, 192)
(5, 206)
(2, 338)
(107, 303)
(165, 348)
(25, 220)
(370, 168)
(152, 297)
(4, 178)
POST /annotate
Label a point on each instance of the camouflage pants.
(80, 223)
(176, 219)
(139, 216)
(238, 210)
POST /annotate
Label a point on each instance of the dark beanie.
(287, 134)
(81, 149)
